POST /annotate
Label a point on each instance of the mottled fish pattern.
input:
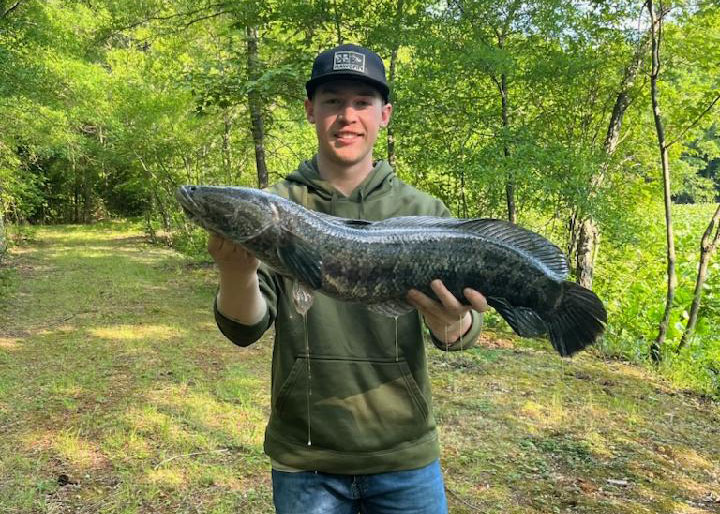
(523, 276)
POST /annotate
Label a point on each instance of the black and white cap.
(350, 62)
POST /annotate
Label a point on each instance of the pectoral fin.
(301, 260)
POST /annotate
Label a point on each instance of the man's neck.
(344, 178)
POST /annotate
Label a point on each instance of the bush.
(631, 281)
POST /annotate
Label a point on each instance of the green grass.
(113, 375)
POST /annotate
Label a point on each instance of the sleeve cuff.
(238, 333)
(468, 340)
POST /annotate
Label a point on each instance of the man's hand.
(447, 319)
(230, 257)
(239, 295)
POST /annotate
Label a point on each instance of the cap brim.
(312, 84)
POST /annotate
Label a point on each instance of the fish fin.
(303, 261)
(523, 320)
(345, 222)
(500, 231)
(391, 308)
(578, 321)
(530, 242)
(302, 297)
(415, 222)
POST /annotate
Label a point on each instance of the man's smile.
(346, 136)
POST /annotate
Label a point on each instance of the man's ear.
(385, 114)
(309, 112)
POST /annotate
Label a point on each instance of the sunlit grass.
(77, 451)
(136, 332)
(9, 343)
(114, 375)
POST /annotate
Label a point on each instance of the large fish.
(522, 275)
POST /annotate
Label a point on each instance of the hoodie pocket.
(354, 405)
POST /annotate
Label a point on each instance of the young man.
(351, 426)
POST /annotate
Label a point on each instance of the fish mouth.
(185, 198)
(217, 222)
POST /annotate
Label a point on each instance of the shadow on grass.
(529, 432)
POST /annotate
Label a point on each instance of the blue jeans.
(415, 491)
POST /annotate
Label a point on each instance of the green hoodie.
(365, 404)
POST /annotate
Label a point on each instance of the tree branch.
(202, 18)
(697, 120)
(171, 16)
(187, 14)
(10, 9)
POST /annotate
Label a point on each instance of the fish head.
(236, 213)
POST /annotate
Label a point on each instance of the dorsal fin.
(346, 222)
(499, 231)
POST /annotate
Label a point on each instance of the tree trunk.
(3, 239)
(226, 147)
(588, 238)
(708, 245)
(587, 244)
(76, 202)
(163, 211)
(87, 198)
(510, 183)
(338, 24)
(656, 35)
(391, 79)
(255, 107)
(390, 131)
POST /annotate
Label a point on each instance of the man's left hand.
(447, 319)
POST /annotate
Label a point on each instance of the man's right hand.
(239, 296)
(230, 257)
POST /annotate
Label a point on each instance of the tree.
(656, 24)
(588, 237)
(708, 245)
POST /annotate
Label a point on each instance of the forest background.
(546, 112)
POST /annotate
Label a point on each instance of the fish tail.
(578, 320)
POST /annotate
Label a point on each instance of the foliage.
(628, 275)
(107, 106)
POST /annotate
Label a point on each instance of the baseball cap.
(350, 62)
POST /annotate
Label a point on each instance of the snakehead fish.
(522, 275)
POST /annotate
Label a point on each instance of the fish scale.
(522, 275)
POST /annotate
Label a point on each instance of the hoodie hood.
(381, 195)
(379, 180)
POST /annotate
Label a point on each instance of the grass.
(118, 395)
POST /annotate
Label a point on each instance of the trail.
(118, 395)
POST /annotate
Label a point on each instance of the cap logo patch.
(349, 60)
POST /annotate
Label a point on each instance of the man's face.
(347, 116)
